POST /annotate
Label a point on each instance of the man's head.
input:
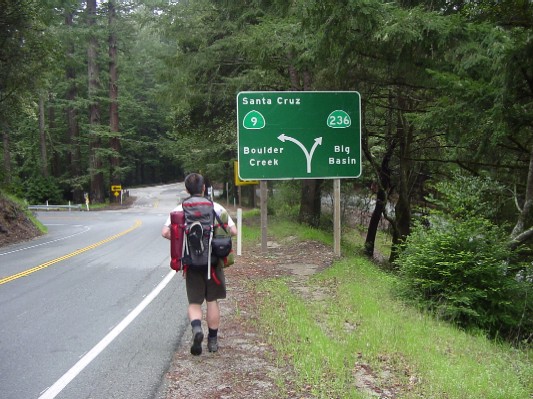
(194, 184)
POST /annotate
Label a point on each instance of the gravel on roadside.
(245, 365)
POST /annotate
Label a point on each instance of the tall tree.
(7, 157)
(113, 95)
(24, 52)
(485, 101)
(145, 112)
(95, 161)
(353, 55)
(42, 136)
(72, 115)
(226, 49)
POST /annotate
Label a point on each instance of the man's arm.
(231, 224)
(165, 232)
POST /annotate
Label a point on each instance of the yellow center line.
(72, 254)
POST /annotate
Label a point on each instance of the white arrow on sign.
(308, 155)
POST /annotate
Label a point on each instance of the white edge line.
(60, 384)
(49, 242)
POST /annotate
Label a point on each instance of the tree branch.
(464, 163)
(521, 238)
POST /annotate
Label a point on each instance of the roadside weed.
(357, 340)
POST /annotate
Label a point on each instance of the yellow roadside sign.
(238, 181)
(116, 188)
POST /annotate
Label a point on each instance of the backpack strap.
(221, 224)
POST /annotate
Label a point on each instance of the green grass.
(358, 328)
(281, 228)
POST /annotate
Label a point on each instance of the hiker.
(200, 285)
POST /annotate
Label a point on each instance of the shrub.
(461, 271)
(38, 190)
(285, 200)
(469, 196)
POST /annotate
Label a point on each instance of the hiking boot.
(212, 344)
(197, 338)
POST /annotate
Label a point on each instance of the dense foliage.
(458, 265)
(94, 94)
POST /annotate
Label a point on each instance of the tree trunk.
(7, 157)
(74, 154)
(113, 97)
(56, 163)
(383, 188)
(402, 219)
(310, 202)
(311, 191)
(384, 181)
(42, 137)
(526, 214)
(95, 164)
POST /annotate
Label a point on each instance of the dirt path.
(244, 366)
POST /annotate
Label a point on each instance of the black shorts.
(199, 288)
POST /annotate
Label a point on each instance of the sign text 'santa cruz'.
(298, 135)
(280, 100)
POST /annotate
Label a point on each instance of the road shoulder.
(245, 365)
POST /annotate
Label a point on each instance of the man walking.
(201, 287)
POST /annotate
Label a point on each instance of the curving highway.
(92, 309)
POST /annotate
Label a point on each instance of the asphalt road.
(92, 309)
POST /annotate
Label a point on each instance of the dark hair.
(194, 183)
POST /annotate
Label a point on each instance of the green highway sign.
(299, 135)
